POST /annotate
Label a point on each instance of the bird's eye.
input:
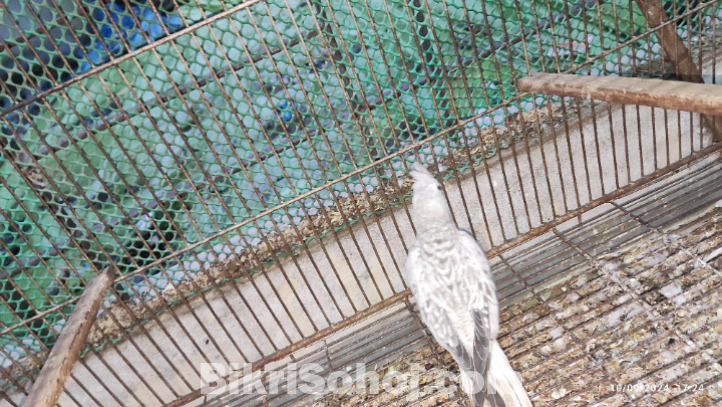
(438, 187)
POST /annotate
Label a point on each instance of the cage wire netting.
(135, 129)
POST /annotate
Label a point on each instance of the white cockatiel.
(450, 278)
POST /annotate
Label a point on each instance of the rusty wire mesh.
(217, 154)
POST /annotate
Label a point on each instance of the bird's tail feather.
(505, 388)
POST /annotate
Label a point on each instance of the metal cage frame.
(116, 151)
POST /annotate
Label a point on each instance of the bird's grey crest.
(421, 176)
(430, 208)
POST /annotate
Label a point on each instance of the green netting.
(325, 86)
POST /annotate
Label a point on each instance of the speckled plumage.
(450, 278)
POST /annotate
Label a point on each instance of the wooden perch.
(51, 383)
(674, 95)
(693, 97)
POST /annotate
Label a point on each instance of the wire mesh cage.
(243, 167)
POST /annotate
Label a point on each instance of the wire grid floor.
(629, 293)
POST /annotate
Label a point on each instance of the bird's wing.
(478, 271)
(435, 317)
(484, 309)
(479, 294)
